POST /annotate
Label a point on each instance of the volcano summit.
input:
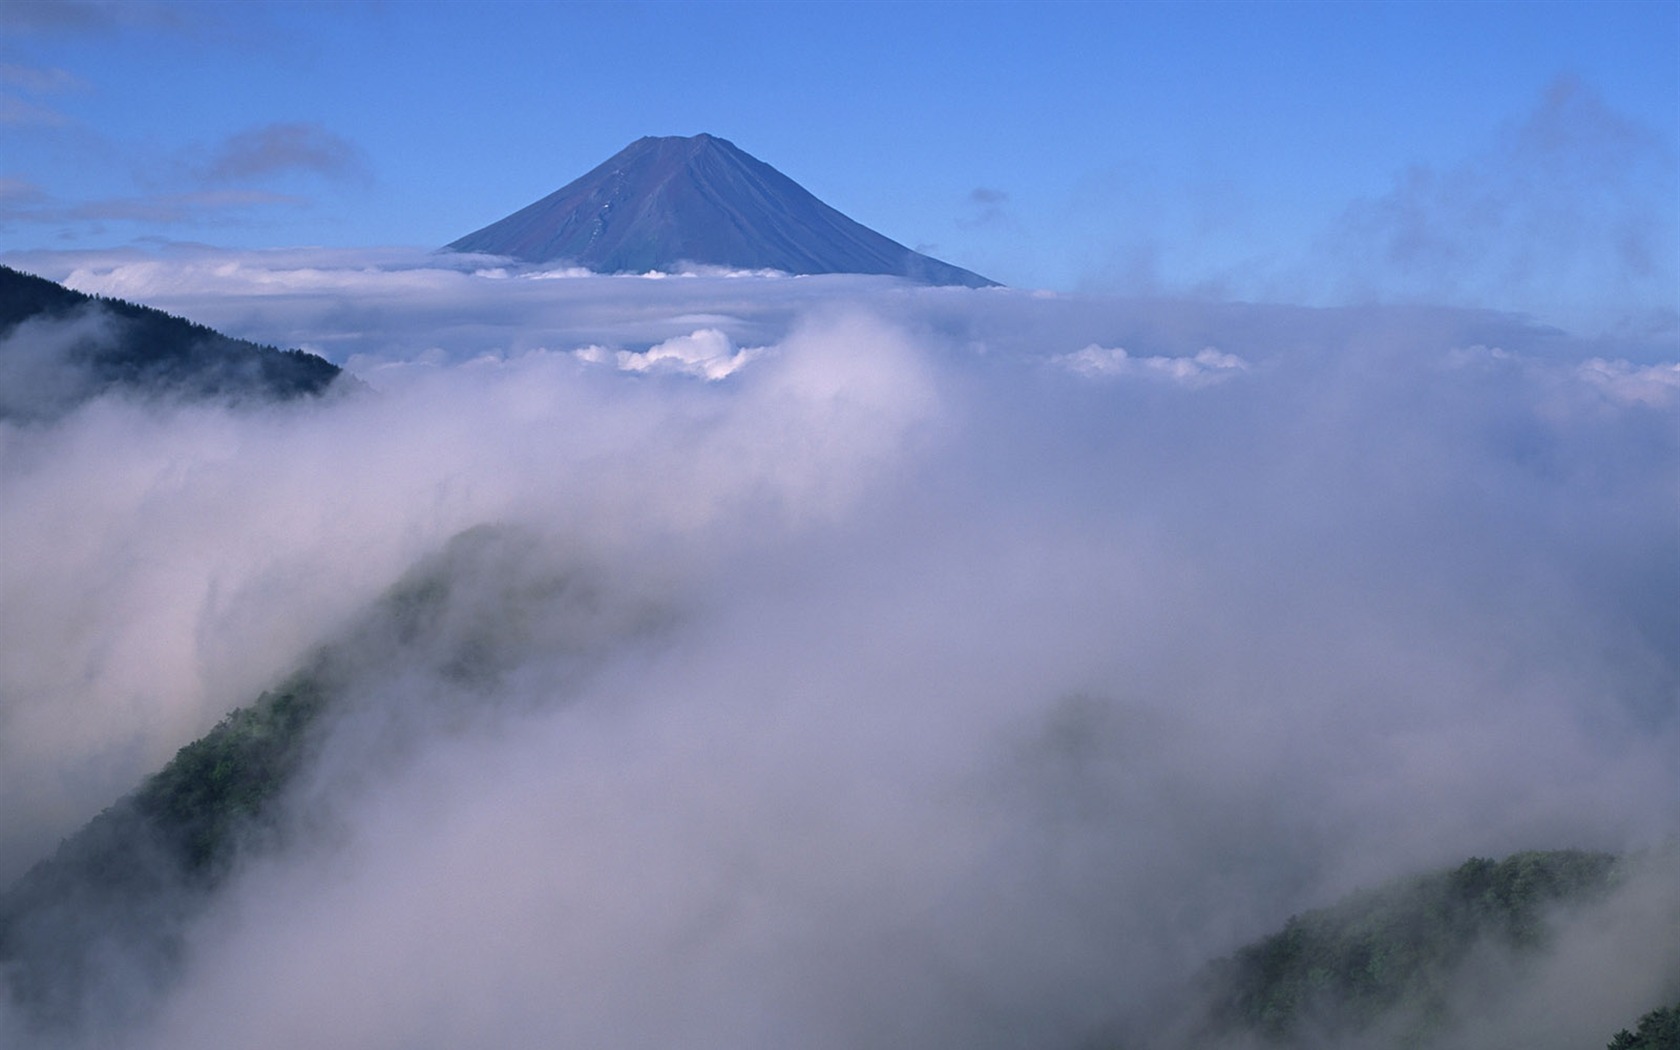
(662, 203)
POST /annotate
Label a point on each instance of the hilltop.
(60, 347)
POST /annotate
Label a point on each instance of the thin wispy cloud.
(41, 80)
(98, 16)
(284, 148)
(230, 185)
(233, 187)
(26, 203)
(197, 206)
(1572, 200)
(986, 206)
(19, 191)
(16, 111)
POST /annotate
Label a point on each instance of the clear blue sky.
(1300, 151)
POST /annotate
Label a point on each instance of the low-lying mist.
(861, 666)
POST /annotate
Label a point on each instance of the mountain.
(91, 936)
(1390, 967)
(59, 347)
(94, 933)
(661, 203)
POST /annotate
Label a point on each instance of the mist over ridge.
(1015, 656)
(709, 610)
(73, 347)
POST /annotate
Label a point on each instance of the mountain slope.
(94, 931)
(90, 936)
(1658, 1030)
(661, 203)
(1385, 967)
(59, 347)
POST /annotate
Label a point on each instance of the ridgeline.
(60, 347)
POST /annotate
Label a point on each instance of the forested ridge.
(125, 885)
(1657, 1030)
(122, 345)
(1389, 964)
(92, 933)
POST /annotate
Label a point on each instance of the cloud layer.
(1001, 676)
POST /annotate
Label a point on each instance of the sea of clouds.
(872, 665)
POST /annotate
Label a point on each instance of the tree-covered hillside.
(1396, 960)
(89, 936)
(119, 890)
(1658, 1030)
(78, 346)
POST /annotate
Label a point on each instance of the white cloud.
(900, 690)
(707, 353)
(1655, 385)
(1200, 369)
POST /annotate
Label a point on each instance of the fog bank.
(965, 667)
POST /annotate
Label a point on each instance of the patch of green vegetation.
(217, 786)
(125, 884)
(115, 899)
(1393, 952)
(1658, 1030)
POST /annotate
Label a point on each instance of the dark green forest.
(116, 897)
(139, 351)
(124, 886)
(1658, 1030)
(1390, 959)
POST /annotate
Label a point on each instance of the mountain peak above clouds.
(663, 203)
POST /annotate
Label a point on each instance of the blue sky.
(1519, 156)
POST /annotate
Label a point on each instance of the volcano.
(670, 203)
